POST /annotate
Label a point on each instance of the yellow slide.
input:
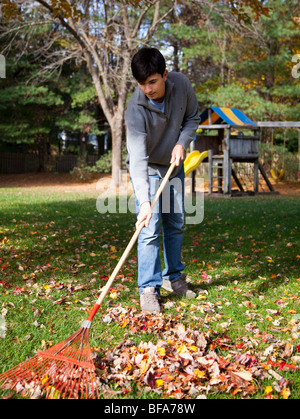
(193, 160)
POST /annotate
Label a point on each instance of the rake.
(66, 370)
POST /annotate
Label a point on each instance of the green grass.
(243, 260)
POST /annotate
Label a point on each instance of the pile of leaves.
(182, 363)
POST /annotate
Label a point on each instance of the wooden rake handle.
(128, 248)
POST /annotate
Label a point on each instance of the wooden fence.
(25, 163)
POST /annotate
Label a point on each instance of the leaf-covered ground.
(238, 339)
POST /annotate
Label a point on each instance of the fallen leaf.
(268, 390)
(159, 383)
(161, 351)
(285, 393)
(241, 378)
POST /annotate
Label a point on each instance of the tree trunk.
(41, 140)
(82, 140)
(223, 62)
(116, 134)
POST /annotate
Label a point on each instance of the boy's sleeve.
(137, 152)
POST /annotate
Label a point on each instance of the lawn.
(238, 339)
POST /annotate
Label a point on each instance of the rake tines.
(66, 370)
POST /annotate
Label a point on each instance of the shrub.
(84, 172)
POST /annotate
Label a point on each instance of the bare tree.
(103, 33)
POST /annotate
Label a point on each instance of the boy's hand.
(178, 154)
(144, 214)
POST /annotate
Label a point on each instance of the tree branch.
(64, 23)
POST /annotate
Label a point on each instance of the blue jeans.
(170, 210)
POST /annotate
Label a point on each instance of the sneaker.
(180, 287)
(149, 301)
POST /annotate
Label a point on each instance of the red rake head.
(66, 370)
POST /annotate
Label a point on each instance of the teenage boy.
(162, 117)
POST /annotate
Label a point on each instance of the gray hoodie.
(152, 135)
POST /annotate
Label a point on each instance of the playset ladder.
(223, 165)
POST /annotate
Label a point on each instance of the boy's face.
(154, 86)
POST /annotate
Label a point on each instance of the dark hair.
(147, 61)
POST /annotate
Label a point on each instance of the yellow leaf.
(114, 295)
(53, 394)
(198, 373)
(161, 351)
(285, 393)
(44, 380)
(144, 365)
(181, 349)
(124, 324)
(268, 390)
(159, 382)
(46, 286)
